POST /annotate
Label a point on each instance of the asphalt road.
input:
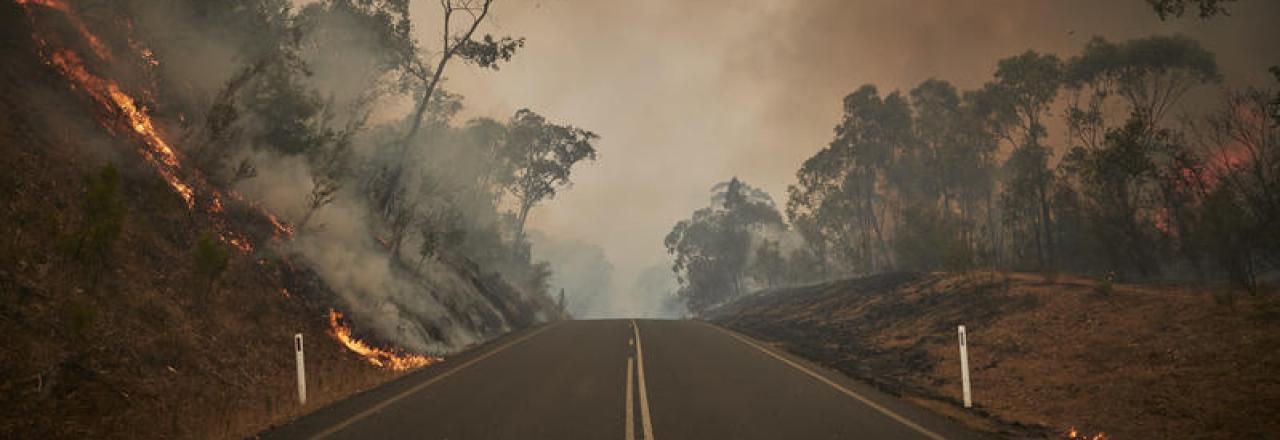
(597, 380)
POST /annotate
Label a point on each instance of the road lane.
(705, 383)
(642, 379)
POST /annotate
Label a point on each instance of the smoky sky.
(689, 93)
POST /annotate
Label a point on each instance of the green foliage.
(768, 265)
(1274, 106)
(931, 241)
(712, 248)
(1104, 287)
(1229, 233)
(1150, 75)
(837, 204)
(81, 316)
(441, 231)
(913, 183)
(1024, 87)
(487, 52)
(103, 212)
(1175, 8)
(542, 156)
(211, 258)
(1225, 298)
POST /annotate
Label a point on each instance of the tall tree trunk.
(447, 53)
(875, 227)
(1046, 223)
(525, 207)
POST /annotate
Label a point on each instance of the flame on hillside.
(379, 357)
(113, 99)
(123, 110)
(1074, 434)
(61, 6)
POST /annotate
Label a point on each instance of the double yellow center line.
(646, 424)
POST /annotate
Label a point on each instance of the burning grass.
(392, 359)
(133, 344)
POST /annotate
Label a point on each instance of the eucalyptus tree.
(844, 193)
(460, 19)
(712, 248)
(541, 155)
(1176, 8)
(1016, 104)
(1132, 167)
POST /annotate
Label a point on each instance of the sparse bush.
(211, 259)
(1104, 286)
(1050, 276)
(82, 315)
(1225, 298)
(103, 216)
(931, 241)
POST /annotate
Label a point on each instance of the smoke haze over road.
(687, 95)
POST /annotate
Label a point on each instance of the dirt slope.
(1135, 362)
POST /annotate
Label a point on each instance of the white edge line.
(385, 403)
(838, 387)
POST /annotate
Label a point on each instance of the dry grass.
(133, 345)
(1141, 362)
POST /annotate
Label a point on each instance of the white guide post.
(964, 368)
(302, 369)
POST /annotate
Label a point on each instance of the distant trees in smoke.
(943, 179)
(716, 249)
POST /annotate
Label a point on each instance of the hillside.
(134, 310)
(1047, 356)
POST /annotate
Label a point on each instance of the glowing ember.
(237, 241)
(1073, 434)
(147, 55)
(282, 229)
(376, 356)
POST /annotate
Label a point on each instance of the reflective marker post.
(964, 367)
(302, 369)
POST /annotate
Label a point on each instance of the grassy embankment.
(1133, 361)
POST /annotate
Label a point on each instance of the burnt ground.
(1046, 355)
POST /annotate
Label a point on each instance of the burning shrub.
(1074, 434)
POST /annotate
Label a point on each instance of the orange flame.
(1073, 434)
(61, 6)
(109, 95)
(114, 100)
(383, 358)
(281, 229)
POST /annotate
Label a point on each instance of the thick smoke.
(580, 270)
(433, 308)
(338, 244)
(652, 295)
(753, 88)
